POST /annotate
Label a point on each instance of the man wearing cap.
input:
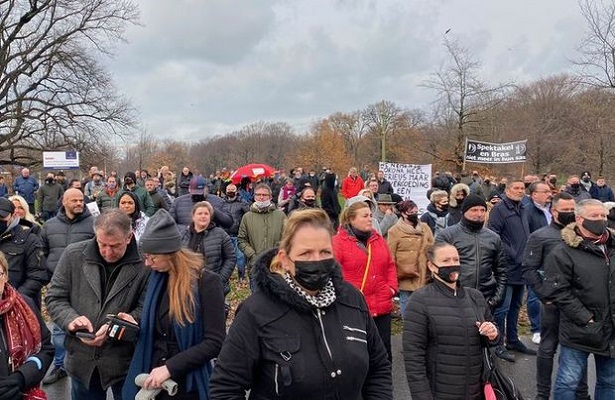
(94, 278)
(48, 196)
(481, 254)
(73, 224)
(181, 210)
(95, 187)
(385, 215)
(130, 185)
(26, 186)
(24, 252)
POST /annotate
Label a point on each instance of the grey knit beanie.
(161, 235)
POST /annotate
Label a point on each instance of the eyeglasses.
(150, 258)
(261, 195)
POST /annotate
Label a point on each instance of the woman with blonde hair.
(367, 263)
(183, 322)
(305, 333)
(22, 211)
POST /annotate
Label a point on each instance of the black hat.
(161, 235)
(6, 207)
(197, 185)
(472, 200)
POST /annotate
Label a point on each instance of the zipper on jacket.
(348, 328)
(476, 238)
(355, 339)
(275, 379)
(324, 335)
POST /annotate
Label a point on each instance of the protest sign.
(410, 181)
(495, 153)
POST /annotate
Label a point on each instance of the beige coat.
(408, 246)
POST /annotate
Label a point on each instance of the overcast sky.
(196, 68)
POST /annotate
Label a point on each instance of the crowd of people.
(138, 271)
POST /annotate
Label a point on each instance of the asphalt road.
(522, 371)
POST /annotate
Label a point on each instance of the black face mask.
(413, 218)
(553, 181)
(473, 225)
(448, 274)
(49, 180)
(314, 275)
(575, 186)
(595, 226)
(443, 207)
(196, 198)
(565, 218)
(501, 187)
(585, 179)
(231, 195)
(3, 226)
(309, 202)
(128, 181)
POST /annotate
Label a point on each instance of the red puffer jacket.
(381, 281)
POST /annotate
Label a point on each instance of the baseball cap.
(197, 185)
(6, 207)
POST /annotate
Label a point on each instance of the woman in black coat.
(204, 237)
(182, 325)
(443, 326)
(329, 200)
(305, 333)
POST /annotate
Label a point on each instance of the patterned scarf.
(21, 326)
(323, 299)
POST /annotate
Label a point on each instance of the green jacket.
(260, 230)
(147, 205)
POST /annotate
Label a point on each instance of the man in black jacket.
(579, 274)
(481, 255)
(539, 246)
(236, 207)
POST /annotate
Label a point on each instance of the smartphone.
(85, 335)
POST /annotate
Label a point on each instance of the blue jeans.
(241, 259)
(79, 391)
(572, 366)
(404, 295)
(507, 314)
(533, 310)
(57, 338)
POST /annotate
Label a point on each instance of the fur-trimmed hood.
(452, 201)
(275, 287)
(573, 239)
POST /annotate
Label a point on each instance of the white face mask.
(262, 204)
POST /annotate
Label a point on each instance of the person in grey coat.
(95, 278)
(204, 237)
(73, 224)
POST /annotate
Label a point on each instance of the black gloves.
(11, 386)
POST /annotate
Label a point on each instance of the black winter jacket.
(442, 346)
(183, 183)
(236, 208)
(280, 347)
(482, 259)
(24, 252)
(508, 219)
(59, 232)
(218, 250)
(538, 247)
(535, 217)
(181, 210)
(329, 199)
(582, 280)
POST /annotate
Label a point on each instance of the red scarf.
(21, 327)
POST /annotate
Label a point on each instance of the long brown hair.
(186, 268)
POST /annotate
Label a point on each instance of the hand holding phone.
(85, 335)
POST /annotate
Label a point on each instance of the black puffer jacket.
(216, 247)
(181, 211)
(59, 232)
(279, 343)
(442, 346)
(482, 259)
(582, 284)
(236, 208)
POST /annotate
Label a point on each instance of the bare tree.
(384, 119)
(596, 60)
(54, 93)
(462, 96)
(353, 127)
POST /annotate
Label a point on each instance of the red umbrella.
(252, 171)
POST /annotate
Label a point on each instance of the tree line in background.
(56, 95)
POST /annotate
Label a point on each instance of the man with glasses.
(94, 278)
(261, 227)
(579, 274)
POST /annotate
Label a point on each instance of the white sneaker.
(536, 338)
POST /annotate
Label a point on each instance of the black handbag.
(503, 387)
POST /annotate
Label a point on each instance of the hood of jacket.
(356, 199)
(452, 201)
(573, 239)
(275, 287)
(62, 215)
